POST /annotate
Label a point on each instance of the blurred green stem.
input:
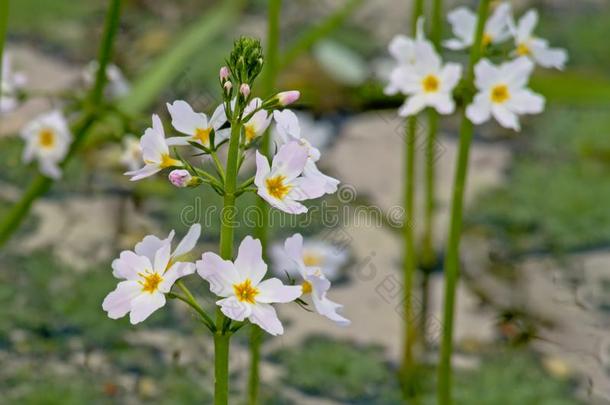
(3, 31)
(428, 255)
(41, 184)
(409, 259)
(262, 227)
(455, 227)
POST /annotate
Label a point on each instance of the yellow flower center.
(431, 84)
(487, 39)
(151, 281)
(203, 135)
(523, 49)
(306, 286)
(250, 133)
(500, 94)
(46, 138)
(277, 188)
(311, 259)
(245, 292)
(168, 161)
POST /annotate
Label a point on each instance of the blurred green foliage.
(359, 375)
(558, 190)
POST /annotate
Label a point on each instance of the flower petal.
(249, 263)
(235, 309)
(221, 274)
(264, 315)
(185, 119)
(144, 305)
(189, 241)
(118, 302)
(273, 290)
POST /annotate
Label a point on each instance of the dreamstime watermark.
(329, 215)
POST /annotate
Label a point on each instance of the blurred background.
(534, 300)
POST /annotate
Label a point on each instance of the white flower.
(240, 283)
(535, 48)
(402, 49)
(47, 139)
(316, 253)
(131, 157)
(463, 23)
(196, 125)
(283, 184)
(149, 273)
(11, 82)
(258, 123)
(155, 152)
(117, 85)
(314, 281)
(428, 83)
(502, 93)
(288, 129)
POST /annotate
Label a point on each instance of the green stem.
(3, 30)
(41, 184)
(455, 227)
(221, 367)
(190, 299)
(223, 335)
(262, 227)
(409, 260)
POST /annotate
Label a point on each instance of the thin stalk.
(41, 184)
(262, 227)
(409, 260)
(455, 227)
(3, 30)
(223, 334)
(428, 256)
(221, 368)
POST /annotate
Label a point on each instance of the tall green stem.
(455, 227)
(428, 256)
(409, 260)
(227, 225)
(41, 184)
(3, 30)
(262, 227)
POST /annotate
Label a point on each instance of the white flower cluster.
(501, 90)
(151, 269)
(291, 178)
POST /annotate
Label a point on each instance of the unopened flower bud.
(228, 86)
(224, 74)
(180, 178)
(244, 89)
(288, 97)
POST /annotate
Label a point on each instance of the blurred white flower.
(428, 83)
(240, 283)
(402, 49)
(537, 49)
(503, 93)
(314, 280)
(316, 253)
(288, 129)
(155, 152)
(117, 85)
(131, 157)
(463, 24)
(196, 125)
(284, 185)
(47, 139)
(10, 84)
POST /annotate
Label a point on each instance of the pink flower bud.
(224, 73)
(180, 178)
(288, 97)
(228, 86)
(244, 89)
